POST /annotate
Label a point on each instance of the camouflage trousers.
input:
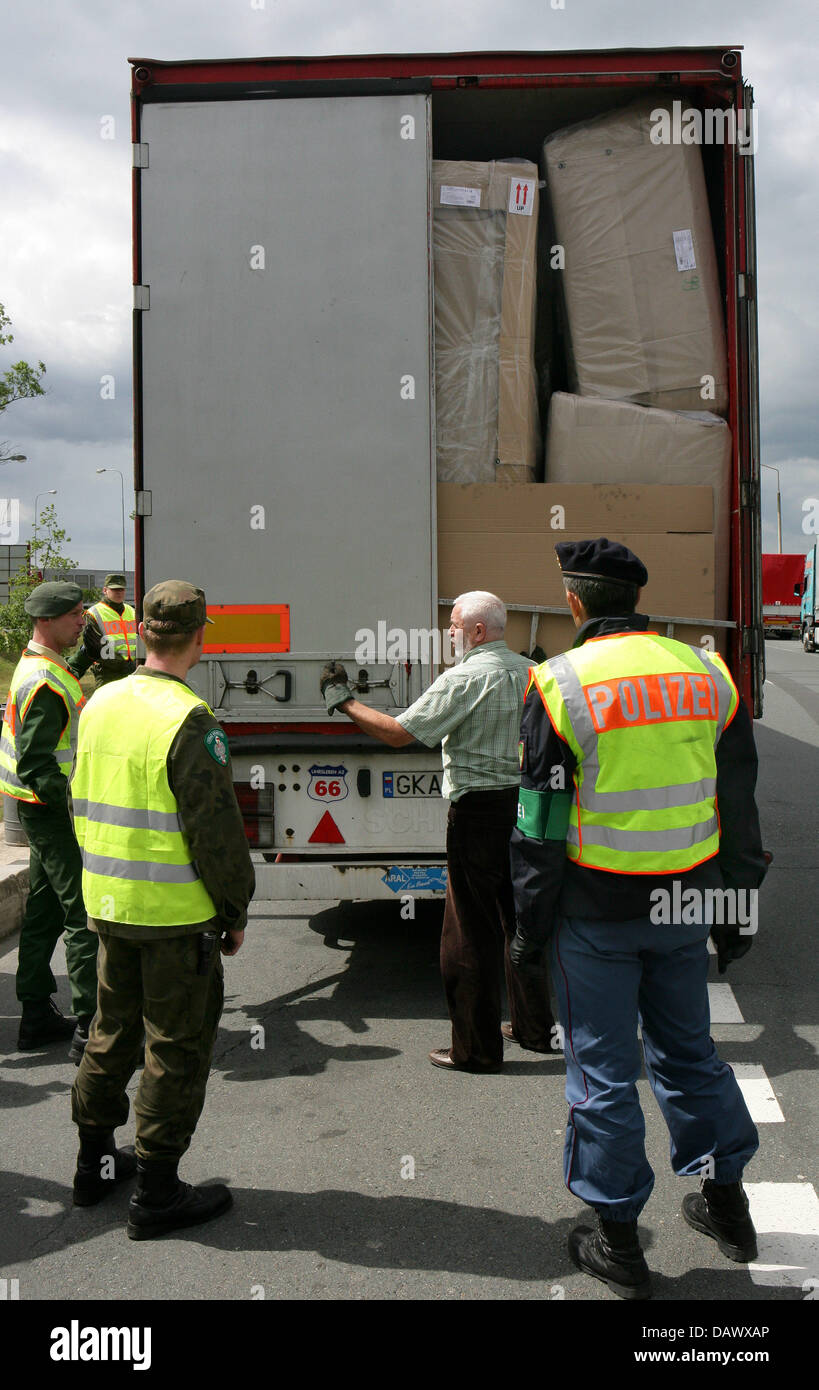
(152, 985)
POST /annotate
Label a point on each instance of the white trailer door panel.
(286, 364)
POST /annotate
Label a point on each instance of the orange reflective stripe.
(248, 627)
(636, 701)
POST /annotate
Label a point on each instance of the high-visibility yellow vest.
(33, 671)
(642, 714)
(137, 865)
(119, 630)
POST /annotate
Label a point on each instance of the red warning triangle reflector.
(326, 832)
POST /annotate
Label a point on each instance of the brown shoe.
(506, 1029)
(442, 1057)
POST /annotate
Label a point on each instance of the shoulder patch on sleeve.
(216, 744)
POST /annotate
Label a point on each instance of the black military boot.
(720, 1210)
(42, 1023)
(80, 1038)
(162, 1203)
(100, 1166)
(612, 1254)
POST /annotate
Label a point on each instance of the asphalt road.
(361, 1172)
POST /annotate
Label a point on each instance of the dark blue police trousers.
(610, 976)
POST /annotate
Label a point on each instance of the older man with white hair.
(473, 710)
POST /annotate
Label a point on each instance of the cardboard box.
(584, 509)
(590, 440)
(503, 539)
(484, 245)
(640, 280)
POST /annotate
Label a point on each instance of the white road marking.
(759, 1095)
(724, 1007)
(786, 1217)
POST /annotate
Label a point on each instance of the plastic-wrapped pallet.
(640, 280)
(484, 242)
(596, 441)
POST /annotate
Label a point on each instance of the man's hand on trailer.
(334, 686)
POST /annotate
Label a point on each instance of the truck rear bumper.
(352, 882)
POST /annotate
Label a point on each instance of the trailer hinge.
(143, 503)
(746, 289)
(749, 493)
(750, 641)
(140, 156)
(142, 297)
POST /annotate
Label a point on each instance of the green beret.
(114, 581)
(53, 599)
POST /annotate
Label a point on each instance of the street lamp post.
(778, 506)
(122, 489)
(49, 492)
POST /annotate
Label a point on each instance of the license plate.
(395, 784)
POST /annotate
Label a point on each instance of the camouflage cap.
(114, 581)
(174, 606)
(53, 599)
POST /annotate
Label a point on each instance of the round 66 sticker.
(327, 782)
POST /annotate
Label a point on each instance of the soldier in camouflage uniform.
(36, 750)
(110, 633)
(167, 880)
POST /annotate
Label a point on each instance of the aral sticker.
(216, 744)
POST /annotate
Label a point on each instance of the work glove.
(92, 640)
(732, 943)
(525, 955)
(730, 946)
(334, 685)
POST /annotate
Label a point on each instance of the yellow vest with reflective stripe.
(119, 629)
(137, 865)
(642, 714)
(32, 672)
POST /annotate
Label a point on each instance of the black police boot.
(720, 1210)
(80, 1038)
(42, 1023)
(612, 1254)
(162, 1203)
(100, 1166)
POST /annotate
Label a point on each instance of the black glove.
(92, 640)
(731, 945)
(333, 683)
(525, 955)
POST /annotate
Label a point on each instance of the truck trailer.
(781, 586)
(368, 377)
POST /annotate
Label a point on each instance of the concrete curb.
(13, 894)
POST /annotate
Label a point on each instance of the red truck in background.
(781, 585)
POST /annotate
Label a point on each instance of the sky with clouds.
(65, 213)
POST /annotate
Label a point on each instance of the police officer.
(630, 740)
(36, 752)
(167, 880)
(111, 633)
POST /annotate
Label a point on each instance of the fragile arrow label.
(522, 196)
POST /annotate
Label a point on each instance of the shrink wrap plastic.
(640, 281)
(484, 241)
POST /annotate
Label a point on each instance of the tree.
(19, 382)
(46, 553)
(46, 550)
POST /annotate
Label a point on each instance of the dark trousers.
(610, 976)
(55, 905)
(479, 923)
(152, 985)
